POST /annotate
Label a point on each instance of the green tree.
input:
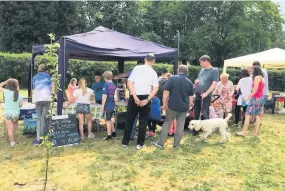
(220, 29)
(151, 36)
(23, 24)
(281, 42)
(228, 29)
(123, 16)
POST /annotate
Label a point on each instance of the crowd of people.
(148, 99)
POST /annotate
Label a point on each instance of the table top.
(74, 105)
(121, 103)
(281, 95)
(28, 105)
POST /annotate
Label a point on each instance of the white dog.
(211, 124)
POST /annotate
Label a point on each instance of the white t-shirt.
(245, 86)
(144, 78)
(80, 98)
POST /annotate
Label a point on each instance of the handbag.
(237, 94)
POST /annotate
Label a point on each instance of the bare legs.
(257, 125)
(110, 127)
(81, 122)
(246, 124)
(89, 123)
(11, 129)
(81, 118)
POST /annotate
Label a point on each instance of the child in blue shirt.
(154, 116)
(97, 87)
(108, 104)
(12, 103)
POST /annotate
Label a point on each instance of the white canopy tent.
(273, 58)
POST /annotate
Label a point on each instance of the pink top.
(70, 91)
(259, 93)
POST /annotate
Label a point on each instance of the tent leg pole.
(175, 66)
(62, 63)
(30, 83)
(121, 64)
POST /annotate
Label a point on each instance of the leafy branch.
(51, 51)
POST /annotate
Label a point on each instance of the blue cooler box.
(30, 125)
(27, 113)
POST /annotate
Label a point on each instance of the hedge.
(17, 66)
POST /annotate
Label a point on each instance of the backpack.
(155, 113)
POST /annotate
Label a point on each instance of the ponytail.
(82, 85)
(84, 90)
(16, 95)
(13, 85)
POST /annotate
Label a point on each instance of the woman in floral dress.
(225, 89)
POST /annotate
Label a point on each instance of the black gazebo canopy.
(102, 44)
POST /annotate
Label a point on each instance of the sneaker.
(12, 144)
(114, 135)
(109, 137)
(139, 147)
(124, 146)
(156, 143)
(82, 138)
(37, 141)
(91, 136)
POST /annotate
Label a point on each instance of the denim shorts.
(83, 108)
(14, 117)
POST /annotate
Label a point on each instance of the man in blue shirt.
(97, 87)
(177, 100)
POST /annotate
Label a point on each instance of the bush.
(17, 66)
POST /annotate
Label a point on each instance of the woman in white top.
(244, 88)
(82, 99)
(225, 89)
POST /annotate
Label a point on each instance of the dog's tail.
(229, 116)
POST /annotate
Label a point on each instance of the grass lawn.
(241, 164)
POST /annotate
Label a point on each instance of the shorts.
(11, 117)
(83, 108)
(99, 102)
(108, 115)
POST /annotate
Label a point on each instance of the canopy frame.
(68, 51)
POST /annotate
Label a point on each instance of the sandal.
(240, 134)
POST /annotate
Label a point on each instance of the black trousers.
(132, 111)
(237, 113)
(205, 108)
(152, 125)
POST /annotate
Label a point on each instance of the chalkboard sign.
(64, 130)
